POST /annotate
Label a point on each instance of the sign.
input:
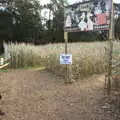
(65, 58)
(91, 15)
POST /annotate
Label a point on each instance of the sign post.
(66, 41)
(67, 76)
(110, 49)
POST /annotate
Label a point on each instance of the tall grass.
(88, 58)
(116, 61)
(23, 55)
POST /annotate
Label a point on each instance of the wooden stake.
(110, 50)
(68, 68)
(66, 51)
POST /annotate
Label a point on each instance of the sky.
(42, 2)
(74, 1)
(117, 1)
(70, 1)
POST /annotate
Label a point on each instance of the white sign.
(65, 58)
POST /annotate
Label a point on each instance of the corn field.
(88, 58)
(116, 65)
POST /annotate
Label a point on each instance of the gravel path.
(37, 95)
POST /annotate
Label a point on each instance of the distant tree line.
(21, 21)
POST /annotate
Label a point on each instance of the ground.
(38, 95)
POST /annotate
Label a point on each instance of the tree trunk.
(1, 47)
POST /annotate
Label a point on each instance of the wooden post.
(66, 52)
(68, 68)
(66, 41)
(110, 50)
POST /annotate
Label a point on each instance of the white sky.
(117, 1)
(74, 1)
(44, 1)
(70, 1)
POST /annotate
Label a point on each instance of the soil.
(38, 95)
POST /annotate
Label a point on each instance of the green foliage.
(55, 32)
(6, 30)
(117, 28)
(1, 47)
(29, 25)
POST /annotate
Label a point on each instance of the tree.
(55, 26)
(117, 21)
(6, 23)
(29, 25)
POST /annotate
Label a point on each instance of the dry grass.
(116, 62)
(88, 58)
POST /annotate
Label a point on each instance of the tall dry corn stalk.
(88, 58)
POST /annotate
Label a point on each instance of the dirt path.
(35, 95)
